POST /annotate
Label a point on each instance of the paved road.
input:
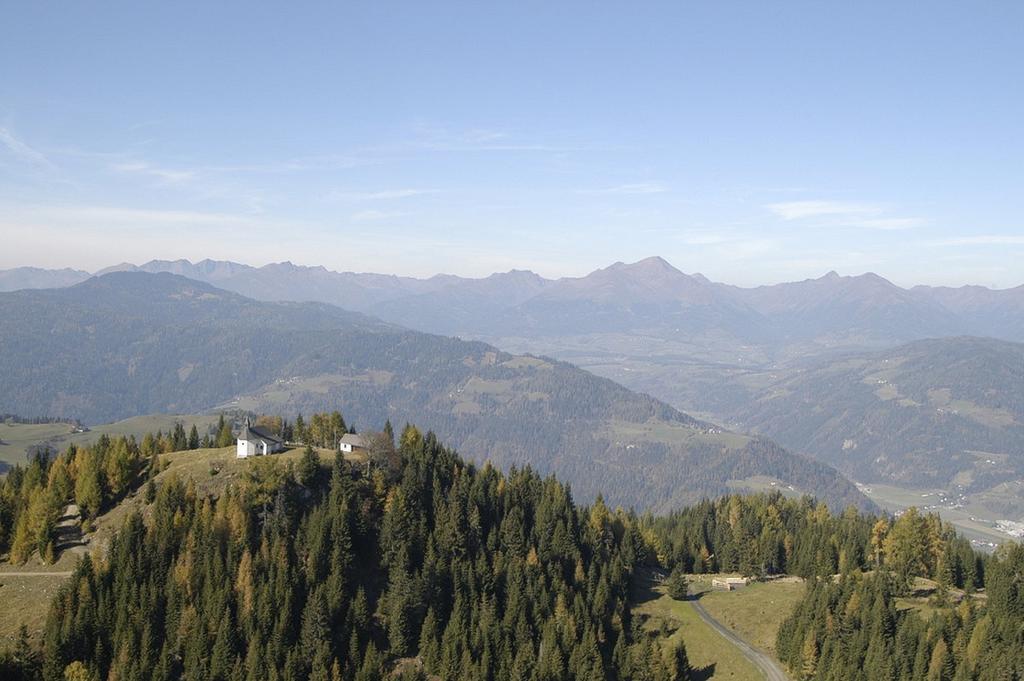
(772, 670)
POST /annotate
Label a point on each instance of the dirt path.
(771, 669)
(4, 575)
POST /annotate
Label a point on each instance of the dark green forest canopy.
(478, 574)
(309, 570)
(851, 628)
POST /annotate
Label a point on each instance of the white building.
(351, 442)
(256, 441)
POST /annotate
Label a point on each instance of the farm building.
(257, 441)
(729, 583)
(351, 442)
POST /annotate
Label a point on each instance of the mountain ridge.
(158, 265)
(934, 412)
(135, 342)
(866, 306)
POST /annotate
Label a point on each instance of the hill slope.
(35, 277)
(932, 412)
(129, 343)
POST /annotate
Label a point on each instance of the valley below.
(964, 460)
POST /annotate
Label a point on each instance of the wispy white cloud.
(375, 215)
(439, 138)
(799, 210)
(293, 165)
(22, 150)
(165, 175)
(299, 164)
(983, 240)
(633, 188)
(889, 224)
(380, 195)
(481, 136)
(845, 214)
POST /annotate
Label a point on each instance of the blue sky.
(755, 142)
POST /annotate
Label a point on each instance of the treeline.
(15, 418)
(427, 566)
(768, 534)
(323, 429)
(848, 626)
(34, 495)
(852, 629)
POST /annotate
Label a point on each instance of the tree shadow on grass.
(644, 588)
(703, 673)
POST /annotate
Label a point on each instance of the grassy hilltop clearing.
(17, 438)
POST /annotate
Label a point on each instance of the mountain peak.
(652, 280)
(654, 263)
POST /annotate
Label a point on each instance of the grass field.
(763, 483)
(672, 433)
(711, 656)
(16, 437)
(973, 518)
(754, 612)
(24, 600)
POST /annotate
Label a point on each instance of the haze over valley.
(917, 390)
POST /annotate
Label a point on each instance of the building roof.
(353, 439)
(251, 432)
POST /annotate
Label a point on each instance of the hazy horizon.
(554, 277)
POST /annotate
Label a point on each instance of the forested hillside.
(772, 358)
(336, 574)
(853, 628)
(94, 477)
(769, 535)
(929, 413)
(129, 343)
(902, 599)
(417, 563)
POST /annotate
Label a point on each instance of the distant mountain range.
(36, 277)
(649, 295)
(130, 342)
(788, 360)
